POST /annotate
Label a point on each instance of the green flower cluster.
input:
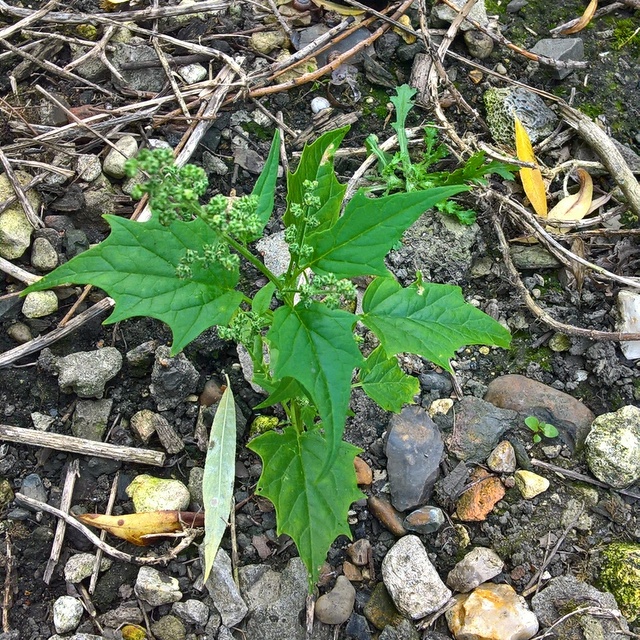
(333, 292)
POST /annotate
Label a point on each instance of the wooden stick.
(103, 534)
(73, 471)
(8, 584)
(29, 19)
(72, 444)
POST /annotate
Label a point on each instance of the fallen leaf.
(141, 528)
(531, 178)
(583, 21)
(409, 38)
(576, 206)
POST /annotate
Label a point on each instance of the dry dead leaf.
(576, 206)
(138, 527)
(531, 178)
(409, 38)
(583, 21)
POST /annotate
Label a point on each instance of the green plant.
(183, 267)
(400, 173)
(540, 428)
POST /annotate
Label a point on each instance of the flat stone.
(90, 419)
(223, 590)
(156, 588)
(380, 609)
(125, 148)
(192, 73)
(195, 486)
(503, 458)
(15, 229)
(359, 552)
(414, 449)
(533, 258)
(336, 606)
(412, 581)
(525, 396)
(172, 379)
(477, 502)
(192, 611)
(530, 484)
(404, 630)
(550, 605)
(612, 448)
(478, 428)
(478, 566)
(86, 372)
(126, 613)
(33, 488)
(563, 49)
(150, 79)
(478, 13)
(425, 520)
(169, 628)
(39, 304)
(157, 494)
(67, 613)
(358, 628)
(492, 612)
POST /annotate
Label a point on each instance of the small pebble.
(80, 566)
(319, 104)
(19, 332)
(359, 552)
(39, 304)
(336, 606)
(156, 588)
(67, 613)
(503, 458)
(364, 475)
(387, 515)
(427, 519)
(530, 484)
(157, 494)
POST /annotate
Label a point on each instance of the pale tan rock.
(530, 484)
(503, 458)
(364, 475)
(491, 612)
(359, 552)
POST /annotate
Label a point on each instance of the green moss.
(626, 36)
(494, 7)
(256, 131)
(621, 576)
(522, 355)
(590, 109)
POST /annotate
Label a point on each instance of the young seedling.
(540, 429)
(183, 267)
(400, 173)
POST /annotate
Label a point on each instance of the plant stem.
(249, 257)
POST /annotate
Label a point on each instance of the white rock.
(67, 613)
(491, 612)
(411, 579)
(15, 230)
(530, 484)
(88, 167)
(478, 13)
(192, 611)
(319, 104)
(158, 494)
(113, 165)
(629, 314)
(43, 256)
(80, 566)
(156, 588)
(192, 73)
(39, 304)
(503, 458)
(41, 421)
(478, 566)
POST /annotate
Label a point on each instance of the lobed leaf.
(385, 383)
(430, 320)
(315, 346)
(136, 266)
(358, 242)
(311, 506)
(218, 477)
(316, 164)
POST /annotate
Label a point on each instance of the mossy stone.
(621, 576)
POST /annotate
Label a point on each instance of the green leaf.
(358, 242)
(532, 422)
(287, 389)
(315, 346)
(431, 320)
(316, 163)
(385, 383)
(218, 477)
(311, 506)
(265, 187)
(262, 300)
(136, 266)
(403, 102)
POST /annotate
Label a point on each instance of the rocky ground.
(535, 534)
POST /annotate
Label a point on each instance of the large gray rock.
(86, 372)
(478, 13)
(550, 605)
(15, 229)
(276, 602)
(612, 448)
(478, 428)
(563, 49)
(412, 581)
(172, 379)
(414, 449)
(223, 590)
(142, 79)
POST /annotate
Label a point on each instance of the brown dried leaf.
(531, 178)
(138, 527)
(583, 21)
(576, 206)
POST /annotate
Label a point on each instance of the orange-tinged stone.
(476, 503)
(351, 572)
(387, 515)
(364, 475)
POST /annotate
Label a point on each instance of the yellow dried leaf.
(111, 5)
(531, 178)
(409, 38)
(583, 21)
(574, 207)
(341, 9)
(137, 527)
